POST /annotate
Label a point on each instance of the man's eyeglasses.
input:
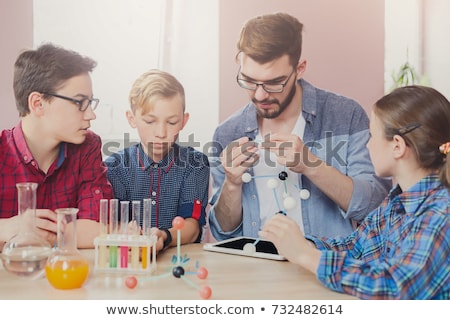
(267, 86)
(82, 104)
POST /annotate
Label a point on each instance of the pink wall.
(343, 44)
(16, 33)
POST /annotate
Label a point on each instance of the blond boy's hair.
(152, 86)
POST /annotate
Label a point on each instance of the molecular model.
(178, 270)
(289, 202)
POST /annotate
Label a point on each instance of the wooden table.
(230, 277)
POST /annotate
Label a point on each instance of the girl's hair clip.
(407, 129)
(445, 148)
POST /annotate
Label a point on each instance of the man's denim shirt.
(337, 132)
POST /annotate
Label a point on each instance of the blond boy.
(176, 178)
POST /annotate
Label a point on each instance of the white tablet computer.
(245, 246)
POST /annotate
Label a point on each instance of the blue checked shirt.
(400, 251)
(178, 185)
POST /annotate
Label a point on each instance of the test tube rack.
(127, 254)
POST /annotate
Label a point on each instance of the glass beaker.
(66, 268)
(25, 254)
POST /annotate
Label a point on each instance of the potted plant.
(406, 75)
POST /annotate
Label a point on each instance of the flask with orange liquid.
(66, 268)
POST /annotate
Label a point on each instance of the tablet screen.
(261, 246)
(240, 245)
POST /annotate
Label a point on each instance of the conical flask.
(66, 268)
(25, 254)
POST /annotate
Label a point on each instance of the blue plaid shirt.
(400, 251)
(178, 185)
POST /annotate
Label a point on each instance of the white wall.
(437, 45)
(192, 54)
(403, 37)
(421, 28)
(127, 38)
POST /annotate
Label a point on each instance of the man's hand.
(291, 152)
(238, 156)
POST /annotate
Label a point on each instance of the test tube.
(103, 250)
(113, 230)
(135, 231)
(124, 218)
(146, 229)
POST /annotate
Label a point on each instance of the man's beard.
(270, 114)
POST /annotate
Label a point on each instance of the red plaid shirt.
(76, 179)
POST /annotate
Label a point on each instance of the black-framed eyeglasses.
(267, 86)
(82, 104)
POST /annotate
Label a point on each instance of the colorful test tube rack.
(122, 245)
(144, 263)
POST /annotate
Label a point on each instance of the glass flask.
(66, 268)
(25, 254)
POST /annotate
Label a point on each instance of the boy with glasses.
(52, 144)
(312, 140)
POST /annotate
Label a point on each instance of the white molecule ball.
(246, 177)
(304, 194)
(249, 248)
(289, 203)
(272, 183)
